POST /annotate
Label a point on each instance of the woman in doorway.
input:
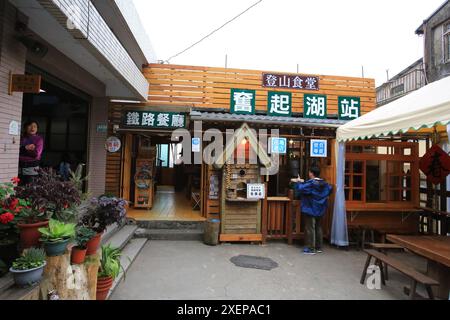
(31, 148)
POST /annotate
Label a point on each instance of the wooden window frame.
(397, 156)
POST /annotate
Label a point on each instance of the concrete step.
(110, 231)
(121, 237)
(172, 225)
(129, 254)
(170, 234)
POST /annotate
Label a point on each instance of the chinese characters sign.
(315, 106)
(319, 148)
(349, 108)
(279, 104)
(25, 83)
(152, 120)
(243, 101)
(435, 164)
(297, 82)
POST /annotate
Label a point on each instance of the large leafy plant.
(31, 259)
(57, 231)
(110, 265)
(104, 211)
(49, 196)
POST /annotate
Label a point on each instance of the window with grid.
(382, 173)
(446, 40)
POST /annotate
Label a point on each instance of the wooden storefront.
(203, 93)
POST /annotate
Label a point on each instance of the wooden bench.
(416, 276)
(384, 248)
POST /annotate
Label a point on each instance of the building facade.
(306, 110)
(87, 53)
(436, 33)
(407, 81)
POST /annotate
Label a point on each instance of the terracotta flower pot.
(103, 287)
(78, 255)
(30, 235)
(93, 244)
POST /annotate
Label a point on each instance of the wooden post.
(71, 282)
(289, 215)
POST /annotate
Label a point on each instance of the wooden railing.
(281, 218)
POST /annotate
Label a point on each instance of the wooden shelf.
(242, 200)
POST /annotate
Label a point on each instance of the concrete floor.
(168, 270)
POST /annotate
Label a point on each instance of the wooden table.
(436, 249)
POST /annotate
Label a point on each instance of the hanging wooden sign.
(26, 83)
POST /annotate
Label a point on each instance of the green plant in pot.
(103, 211)
(109, 270)
(48, 197)
(56, 237)
(83, 236)
(28, 269)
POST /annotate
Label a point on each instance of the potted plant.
(10, 208)
(28, 269)
(109, 270)
(48, 197)
(82, 238)
(56, 237)
(103, 212)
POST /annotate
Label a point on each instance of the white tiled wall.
(95, 30)
(12, 59)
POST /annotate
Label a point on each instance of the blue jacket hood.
(314, 196)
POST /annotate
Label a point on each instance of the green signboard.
(279, 104)
(243, 101)
(154, 120)
(315, 106)
(349, 108)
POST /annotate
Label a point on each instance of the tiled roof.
(291, 121)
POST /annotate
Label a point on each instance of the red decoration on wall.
(435, 164)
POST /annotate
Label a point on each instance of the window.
(398, 89)
(446, 41)
(378, 172)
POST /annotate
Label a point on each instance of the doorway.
(62, 114)
(173, 191)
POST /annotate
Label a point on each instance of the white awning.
(424, 108)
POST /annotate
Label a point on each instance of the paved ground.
(191, 270)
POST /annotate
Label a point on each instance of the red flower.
(13, 204)
(15, 180)
(6, 218)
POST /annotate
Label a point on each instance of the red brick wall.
(12, 59)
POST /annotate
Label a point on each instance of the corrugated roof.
(262, 119)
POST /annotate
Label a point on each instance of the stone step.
(121, 237)
(172, 225)
(129, 254)
(170, 234)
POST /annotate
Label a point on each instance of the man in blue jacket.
(314, 195)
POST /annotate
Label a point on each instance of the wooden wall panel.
(113, 160)
(204, 87)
